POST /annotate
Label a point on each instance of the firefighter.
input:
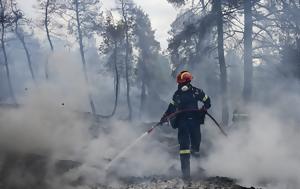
(187, 122)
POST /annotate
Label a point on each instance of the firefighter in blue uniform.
(188, 122)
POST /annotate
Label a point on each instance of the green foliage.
(7, 17)
(89, 13)
(144, 35)
(188, 46)
(112, 34)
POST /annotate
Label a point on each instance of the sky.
(160, 12)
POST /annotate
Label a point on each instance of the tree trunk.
(12, 95)
(144, 74)
(80, 41)
(127, 77)
(248, 66)
(117, 80)
(127, 61)
(21, 38)
(202, 3)
(46, 23)
(143, 98)
(223, 71)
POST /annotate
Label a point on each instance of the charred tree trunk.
(223, 71)
(117, 79)
(81, 48)
(46, 23)
(127, 60)
(248, 66)
(12, 95)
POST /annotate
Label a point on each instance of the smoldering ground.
(263, 151)
(49, 123)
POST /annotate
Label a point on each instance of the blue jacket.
(187, 97)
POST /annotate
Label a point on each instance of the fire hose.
(172, 115)
(218, 125)
(165, 119)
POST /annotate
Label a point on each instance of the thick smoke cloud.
(263, 151)
(50, 122)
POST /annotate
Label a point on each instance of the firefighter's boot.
(185, 166)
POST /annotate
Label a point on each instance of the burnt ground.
(33, 171)
(30, 171)
(177, 183)
(160, 182)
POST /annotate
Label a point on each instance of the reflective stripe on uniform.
(184, 151)
(205, 98)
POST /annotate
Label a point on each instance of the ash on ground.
(31, 172)
(158, 182)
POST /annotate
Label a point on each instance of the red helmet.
(184, 77)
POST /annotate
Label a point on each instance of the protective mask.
(184, 88)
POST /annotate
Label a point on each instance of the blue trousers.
(189, 138)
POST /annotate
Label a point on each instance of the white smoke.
(50, 122)
(263, 151)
